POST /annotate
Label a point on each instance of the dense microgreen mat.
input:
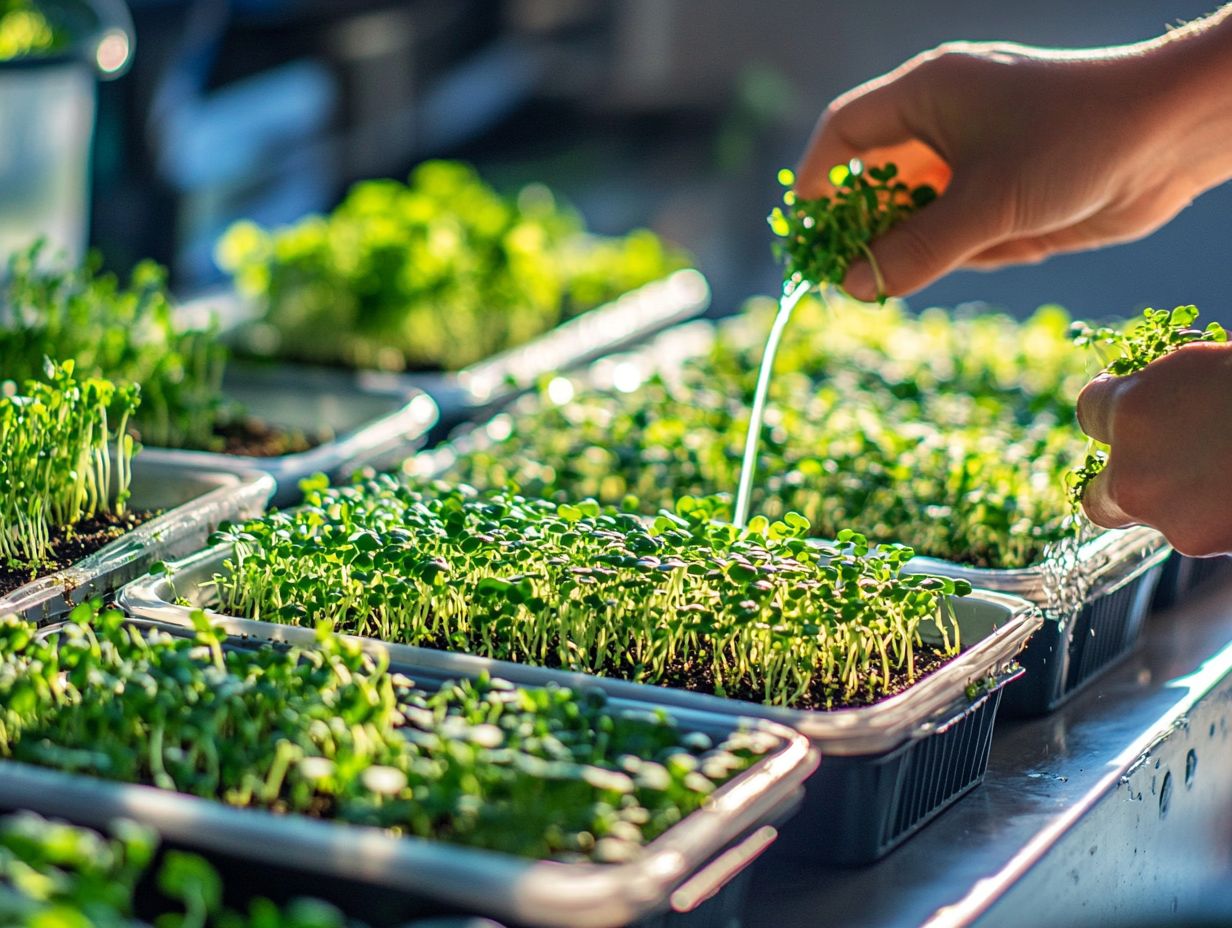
(816, 240)
(683, 601)
(123, 332)
(1127, 350)
(26, 31)
(949, 432)
(330, 732)
(65, 455)
(56, 875)
(437, 273)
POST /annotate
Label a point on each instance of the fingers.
(1099, 505)
(868, 117)
(939, 238)
(1097, 406)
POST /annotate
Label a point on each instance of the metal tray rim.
(238, 494)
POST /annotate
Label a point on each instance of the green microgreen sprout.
(686, 601)
(818, 239)
(1125, 350)
(951, 432)
(438, 273)
(332, 732)
(64, 457)
(122, 333)
(57, 875)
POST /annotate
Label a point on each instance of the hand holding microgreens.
(331, 732)
(818, 239)
(1127, 350)
(760, 614)
(61, 458)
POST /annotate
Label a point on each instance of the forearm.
(1191, 86)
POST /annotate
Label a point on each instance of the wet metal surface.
(1116, 807)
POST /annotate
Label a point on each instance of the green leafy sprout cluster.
(818, 239)
(25, 31)
(127, 334)
(1127, 350)
(682, 601)
(56, 875)
(950, 432)
(435, 274)
(61, 458)
(330, 732)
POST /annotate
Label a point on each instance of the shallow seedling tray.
(1093, 614)
(192, 504)
(889, 768)
(375, 420)
(688, 876)
(481, 388)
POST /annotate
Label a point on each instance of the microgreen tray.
(369, 871)
(374, 418)
(193, 503)
(907, 731)
(483, 387)
(1183, 576)
(631, 318)
(1093, 613)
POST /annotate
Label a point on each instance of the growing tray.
(889, 768)
(1093, 612)
(193, 504)
(386, 879)
(375, 418)
(1109, 591)
(481, 388)
(1183, 576)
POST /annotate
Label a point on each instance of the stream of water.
(748, 467)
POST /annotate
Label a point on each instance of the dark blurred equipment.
(268, 109)
(46, 118)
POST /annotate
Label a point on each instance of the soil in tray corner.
(253, 438)
(87, 537)
(698, 678)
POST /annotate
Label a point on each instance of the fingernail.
(859, 282)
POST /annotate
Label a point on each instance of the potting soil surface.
(67, 548)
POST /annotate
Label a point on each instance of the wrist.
(1185, 89)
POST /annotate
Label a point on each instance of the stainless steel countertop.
(1114, 810)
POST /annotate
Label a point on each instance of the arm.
(1038, 151)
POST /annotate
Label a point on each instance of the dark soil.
(696, 677)
(257, 439)
(86, 538)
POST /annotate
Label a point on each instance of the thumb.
(937, 239)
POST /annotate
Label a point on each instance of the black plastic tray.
(1184, 575)
(933, 737)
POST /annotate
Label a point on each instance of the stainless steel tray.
(467, 394)
(994, 627)
(194, 503)
(677, 871)
(377, 420)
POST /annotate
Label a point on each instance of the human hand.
(1038, 151)
(1169, 428)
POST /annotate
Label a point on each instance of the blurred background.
(672, 114)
